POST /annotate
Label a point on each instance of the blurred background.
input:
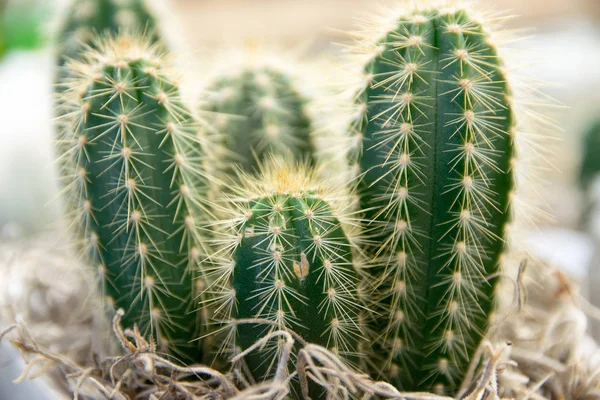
(561, 37)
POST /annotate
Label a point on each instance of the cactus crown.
(288, 260)
(261, 113)
(434, 151)
(134, 178)
(83, 21)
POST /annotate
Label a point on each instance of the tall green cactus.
(86, 19)
(435, 132)
(289, 260)
(134, 179)
(260, 113)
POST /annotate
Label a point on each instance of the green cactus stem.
(590, 164)
(260, 113)
(435, 130)
(289, 261)
(84, 24)
(134, 179)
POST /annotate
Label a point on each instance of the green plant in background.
(590, 161)
(288, 260)
(435, 130)
(20, 25)
(589, 174)
(134, 179)
(260, 113)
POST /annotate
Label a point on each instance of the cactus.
(83, 23)
(134, 179)
(435, 131)
(260, 113)
(86, 19)
(590, 163)
(589, 177)
(289, 260)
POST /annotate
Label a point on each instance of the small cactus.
(589, 177)
(86, 19)
(435, 131)
(590, 162)
(288, 261)
(134, 179)
(260, 113)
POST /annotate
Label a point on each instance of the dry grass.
(539, 349)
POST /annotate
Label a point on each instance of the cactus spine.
(289, 261)
(435, 130)
(260, 113)
(135, 177)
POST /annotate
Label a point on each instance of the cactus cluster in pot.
(432, 153)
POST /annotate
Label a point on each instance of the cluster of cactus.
(433, 150)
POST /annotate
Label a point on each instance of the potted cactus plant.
(231, 263)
